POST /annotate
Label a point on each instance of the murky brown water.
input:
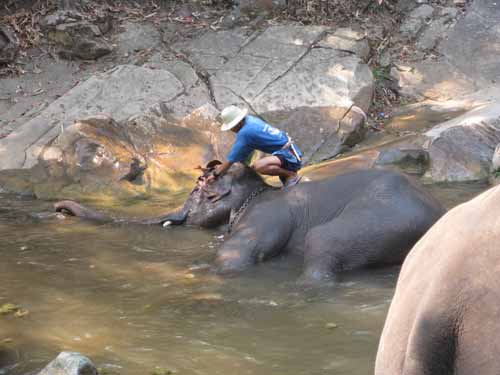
(139, 298)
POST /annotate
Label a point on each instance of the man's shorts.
(288, 159)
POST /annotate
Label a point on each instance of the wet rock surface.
(412, 161)
(100, 156)
(68, 363)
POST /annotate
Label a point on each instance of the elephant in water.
(359, 219)
(445, 315)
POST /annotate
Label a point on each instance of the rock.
(431, 79)
(137, 37)
(9, 308)
(385, 59)
(281, 73)
(473, 44)
(335, 130)
(278, 69)
(69, 363)
(412, 161)
(415, 21)
(142, 155)
(437, 29)
(347, 40)
(462, 149)
(9, 46)
(78, 37)
(195, 92)
(123, 91)
(231, 19)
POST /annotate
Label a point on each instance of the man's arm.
(219, 171)
(222, 168)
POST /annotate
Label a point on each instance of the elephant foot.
(314, 277)
(231, 261)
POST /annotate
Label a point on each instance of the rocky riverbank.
(150, 85)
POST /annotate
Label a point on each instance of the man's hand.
(219, 171)
(210, 179)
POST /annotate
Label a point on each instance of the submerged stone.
(70, 363)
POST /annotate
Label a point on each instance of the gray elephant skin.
(444, 318)
(355, 220)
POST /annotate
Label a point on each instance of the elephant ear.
(208, 168)
(212, 164)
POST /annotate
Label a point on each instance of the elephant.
(445, 313)
(358, 219)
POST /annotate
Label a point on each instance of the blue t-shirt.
(256, 134)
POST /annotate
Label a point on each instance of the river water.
(141, 299)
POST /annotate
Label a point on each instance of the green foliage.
(381, 74)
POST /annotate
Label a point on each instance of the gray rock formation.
(68, 363)
(8, 46)
(437, 29)
(278, 73)
(348, 40)
(473, 44)
(462, 149)
(413, 161)
(136, 37)
(416, 21)
(145, 154)
(78, 37)
(124, 91)
(281, 68)
(465, 48)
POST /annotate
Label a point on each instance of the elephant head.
(210, 205)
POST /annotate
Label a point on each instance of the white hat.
(231, 116)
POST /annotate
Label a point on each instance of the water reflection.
(139, 298)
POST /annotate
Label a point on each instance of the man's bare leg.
(271, 166)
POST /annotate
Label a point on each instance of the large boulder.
(283, 67)
(9, 46)
(77, 35)
(463, 51)
(462, 149)
(121, 92)
(323, 132)
(416, 21)
(69, 363)
(472, 45)
(98, 156)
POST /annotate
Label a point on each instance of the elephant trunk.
(75, 209)
(72, 208)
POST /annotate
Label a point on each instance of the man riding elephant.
(358, 219)
(255, 134)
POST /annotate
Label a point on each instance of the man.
(255, 134)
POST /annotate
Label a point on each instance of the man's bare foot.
(292, 181)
